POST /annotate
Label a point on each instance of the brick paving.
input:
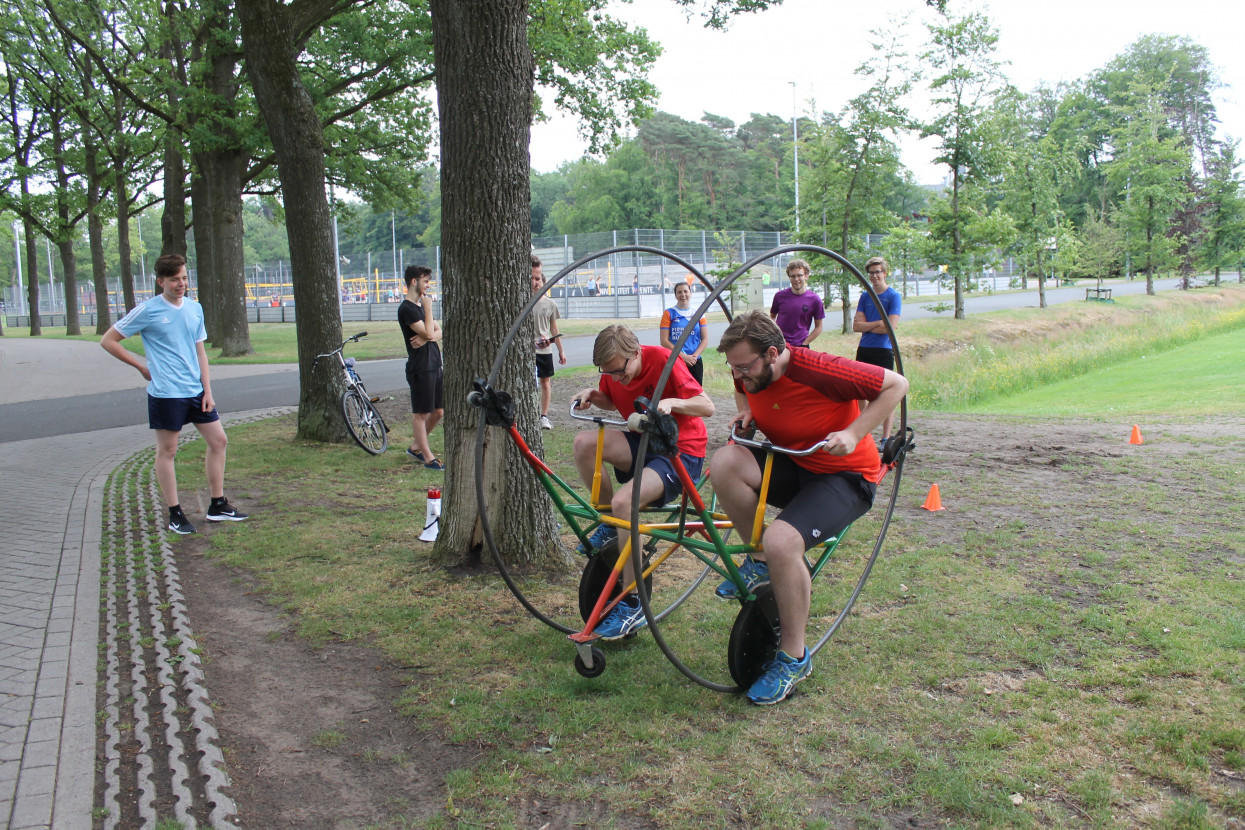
(52, 490)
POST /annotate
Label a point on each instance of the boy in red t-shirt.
(629, 371)
(797, 397)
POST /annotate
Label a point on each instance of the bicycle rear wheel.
(364, 422)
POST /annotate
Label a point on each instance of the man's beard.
(759, 381)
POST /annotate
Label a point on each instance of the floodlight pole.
(795, 145)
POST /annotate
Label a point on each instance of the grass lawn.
(1204, 378)
(1063, 646)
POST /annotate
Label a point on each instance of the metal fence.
(596, 289)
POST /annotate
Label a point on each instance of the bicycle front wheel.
(364, 422)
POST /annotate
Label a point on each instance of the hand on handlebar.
(839, 443)
(582, 400)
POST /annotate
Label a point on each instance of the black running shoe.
(180, 525)
(225, 512)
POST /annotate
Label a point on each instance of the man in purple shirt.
(796, 307)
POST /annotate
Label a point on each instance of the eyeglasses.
(876, 272)
(746, 369)
(617, 374)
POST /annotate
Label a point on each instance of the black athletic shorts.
(818, 505)
(174, 413)
(876, 357)
(427, 391)
(544, 365)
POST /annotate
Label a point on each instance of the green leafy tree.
(854, 154)
(1223, 220)
(967, 80)
(1151, 167)
(904, 249)
(1034, 171)
(1098, 248)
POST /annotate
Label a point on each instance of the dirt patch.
(310, 734)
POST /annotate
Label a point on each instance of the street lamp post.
(17, 259)
(795, 145)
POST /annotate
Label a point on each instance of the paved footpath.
(49, 622)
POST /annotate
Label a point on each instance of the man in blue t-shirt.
(875, 342)
(179, 391)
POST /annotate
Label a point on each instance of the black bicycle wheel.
(597, 572)
(754, 637)
(364, 422)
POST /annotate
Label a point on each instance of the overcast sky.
(818, 43)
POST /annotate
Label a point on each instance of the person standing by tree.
(798, 398)
(795, 308)
(180, 390)
(545, 319)
(875, 346)
(423, 364)
(674, 320)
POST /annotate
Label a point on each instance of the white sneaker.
(545, 423)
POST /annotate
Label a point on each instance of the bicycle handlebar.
(598, 419)
(352, 339)
(769, 445)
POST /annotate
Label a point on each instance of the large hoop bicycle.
(693, 528)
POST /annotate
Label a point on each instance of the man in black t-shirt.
(423, 363)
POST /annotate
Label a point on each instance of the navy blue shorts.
(661, 465)
(174, 413)
(818, 505)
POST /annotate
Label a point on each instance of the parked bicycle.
(364, 421)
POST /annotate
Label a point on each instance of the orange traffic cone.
(1135, 438)
(933, 501)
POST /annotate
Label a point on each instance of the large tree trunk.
(269, 43)
(125, 253)
(217, 197)
(95, 237)
(32, 270)
(173, 216)
(484, 94)
(64, 229)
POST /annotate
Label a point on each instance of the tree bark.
(269, 41)
(95, 236)
(64, 229)
(32, 271)
(216, 193)
(484, 94)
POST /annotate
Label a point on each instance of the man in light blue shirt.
(179, 390)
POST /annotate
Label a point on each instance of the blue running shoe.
(599, 539)
(626, 618)
(778, 681)
(754, 574)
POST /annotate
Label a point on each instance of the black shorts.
(698, 370)
(661, 465)
(818, 505)
(876, 357)
(544, 365)
(174, 413)
(427, 390)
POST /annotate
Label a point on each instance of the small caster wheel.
(474, 398)
(598, 664)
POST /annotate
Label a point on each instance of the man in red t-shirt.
(797, 397)
(629, 371)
